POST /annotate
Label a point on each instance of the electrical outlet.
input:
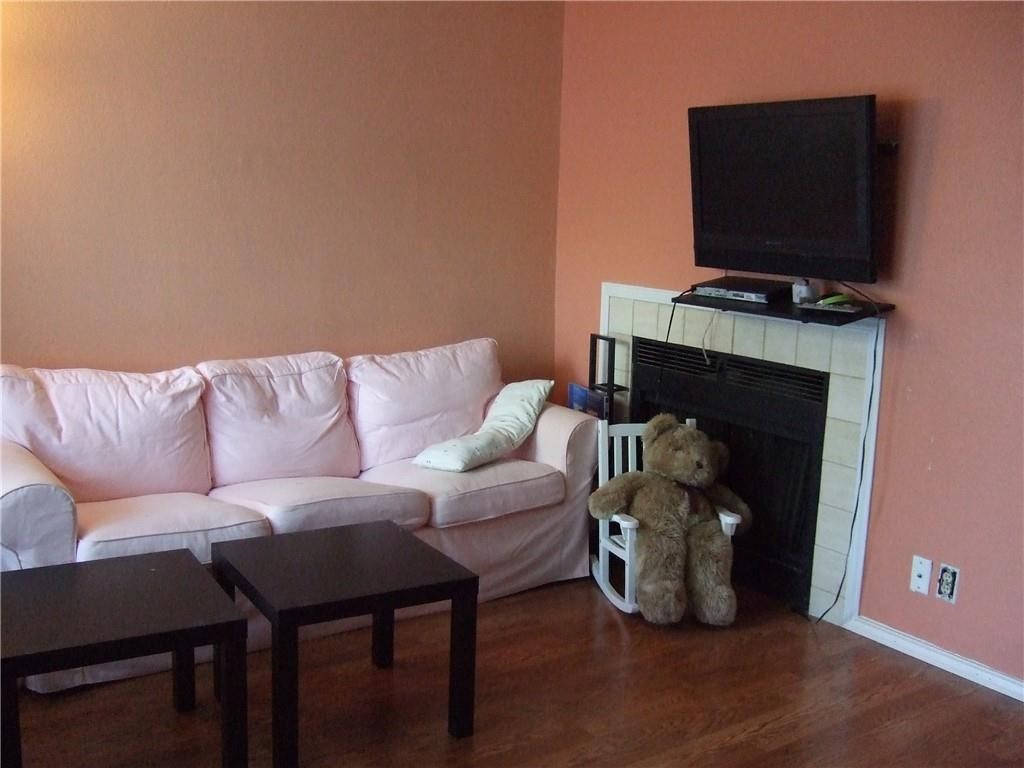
(948, 583)
(920, 574)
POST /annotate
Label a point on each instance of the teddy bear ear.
(657, 426)
(721, 451)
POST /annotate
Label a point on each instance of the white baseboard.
(937, 657)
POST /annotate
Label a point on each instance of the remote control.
(832, 307)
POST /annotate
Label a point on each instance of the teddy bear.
(684, 558)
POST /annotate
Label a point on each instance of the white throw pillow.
(510, 420)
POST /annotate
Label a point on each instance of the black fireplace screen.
(772, 417)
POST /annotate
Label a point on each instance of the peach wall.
(193, 181)
(948, 481)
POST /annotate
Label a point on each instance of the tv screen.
(785, 187)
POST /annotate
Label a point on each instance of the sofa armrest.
(37, 514)
(567, 440)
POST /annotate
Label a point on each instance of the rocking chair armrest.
(626, 521)
(729, 520)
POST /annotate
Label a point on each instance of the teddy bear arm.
(722, 496)
(616, 496)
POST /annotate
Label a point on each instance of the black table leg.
(462, 669)
(234, 700)
(285, 729)
(229, 588)
(384, 637)
(10, 735)
(183, 668)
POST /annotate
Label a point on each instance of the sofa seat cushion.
(284, 416)
(307, 503)
(494, 490)
(110, 435)
(162, 521)
(402, 403)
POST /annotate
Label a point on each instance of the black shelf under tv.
(787, 310)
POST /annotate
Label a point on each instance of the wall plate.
(947, 584)
(920, 574)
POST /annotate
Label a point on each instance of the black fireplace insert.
(772, 418)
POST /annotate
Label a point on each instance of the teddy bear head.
(682, 453)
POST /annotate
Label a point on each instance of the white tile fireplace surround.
(854, 375)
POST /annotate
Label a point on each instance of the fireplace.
(850, 356)
(772, 417)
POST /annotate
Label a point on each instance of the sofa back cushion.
(109, 435)
(404, 402)
(281, 416)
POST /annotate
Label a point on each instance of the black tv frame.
(846, 260)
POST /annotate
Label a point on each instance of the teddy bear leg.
(662, 602)
(708, 574)
(660, 584)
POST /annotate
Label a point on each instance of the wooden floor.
(565, 680)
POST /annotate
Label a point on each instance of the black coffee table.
(371, 568)
(63, 616)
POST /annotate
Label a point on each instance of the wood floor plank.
(563, 679)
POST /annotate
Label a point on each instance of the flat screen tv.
(785, 187)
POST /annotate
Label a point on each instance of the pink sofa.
(98, 464)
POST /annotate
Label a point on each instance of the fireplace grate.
(759, 375)
(673, 357)
(784, 381)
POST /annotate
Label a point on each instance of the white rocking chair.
(611, 439)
